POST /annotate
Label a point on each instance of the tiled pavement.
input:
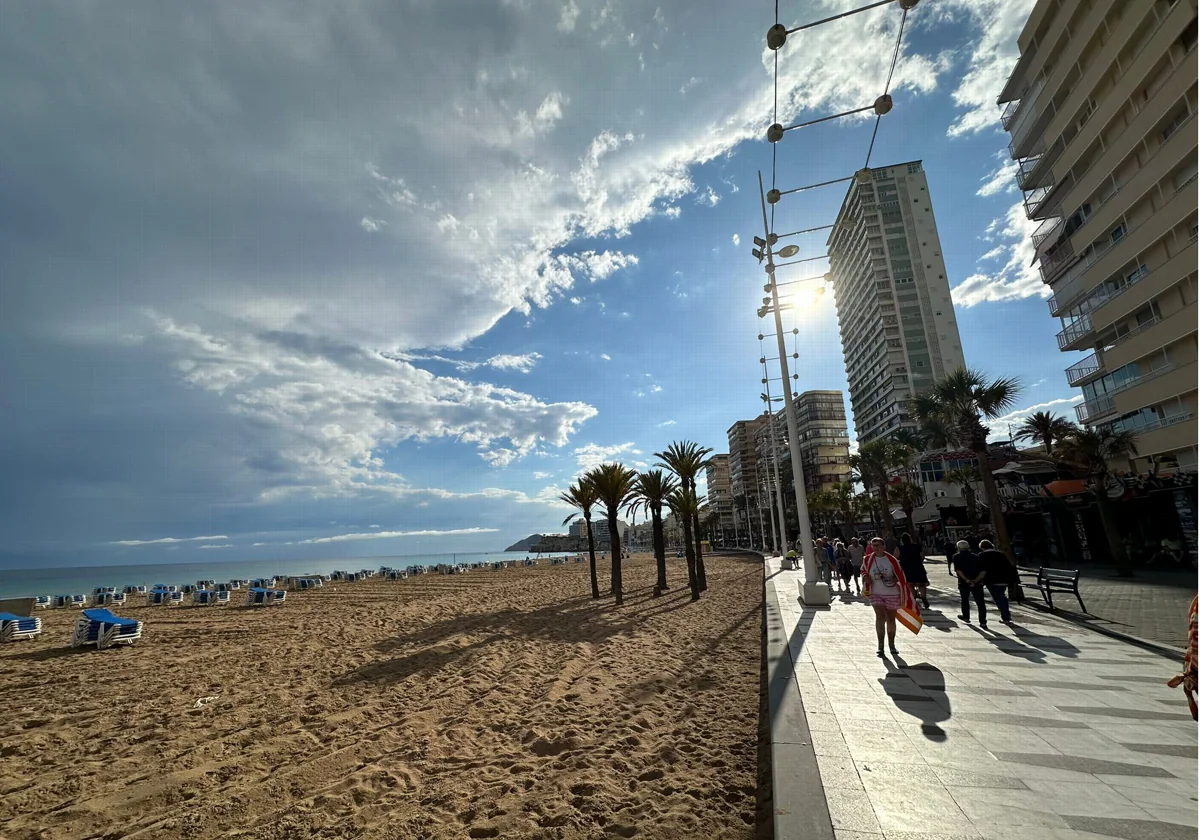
(1041, 730)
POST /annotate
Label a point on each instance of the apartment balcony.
(1150, 336)
(1170, 434)
(1025, 169)
(1155, 387)
(1010, 112)
(1092, 410)
(1052, 263)
(1075, 336)
(1081, 371)
(1050, 226)
(1035, 199)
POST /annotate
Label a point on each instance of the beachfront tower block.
(1101, 108)
(898, 329)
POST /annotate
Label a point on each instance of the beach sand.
(491, 704)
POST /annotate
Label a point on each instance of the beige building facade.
(824, 440)
(896, 319)
(720, 493)
(1101, 111)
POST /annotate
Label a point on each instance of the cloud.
(1001, 179)
(542, 475)
(666, 423)
(1018, 278)
(225, 545)
(991, 57)
(737, 240)
(606, 357)
(709, 197)
(999, 426)
(164, 540)
(688, 85)
(593, 455)
(372, 225)
(522, 364)
(387, 535)
(568, 16)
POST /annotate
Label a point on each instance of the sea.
(17, 583)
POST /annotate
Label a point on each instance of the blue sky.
(284, 280)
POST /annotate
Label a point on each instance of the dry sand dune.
(492, 704)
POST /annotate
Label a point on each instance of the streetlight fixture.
(815, 591)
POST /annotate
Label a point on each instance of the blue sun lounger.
(14, 627)
(209, 597)
(41, 602)
(78, 600)
(260, 597)
(103, 629)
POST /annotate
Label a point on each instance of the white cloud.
(333, 408)
(1018, 278)
(387, 535)
(999, 426)
(672, 212)
(994, 253)
(165, 540)
(606, 357)
(568, 16)
(666, 423)
(593, 455)
(993, 54)
(226, 545)
(737, 240)
(522, 364)
(542, 475)
(1001, 179)
(709, 197)
(550, 111)
(688, 85)
(372, 225)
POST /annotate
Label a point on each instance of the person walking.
(970, 582)
(1187, 678)
(998, 573)
(884, 583)
(845, 569)
(912, 561)
(855, 550)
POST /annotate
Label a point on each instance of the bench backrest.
(1069, 575)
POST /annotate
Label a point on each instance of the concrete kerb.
(798, 796)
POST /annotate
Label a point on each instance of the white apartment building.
(720, 494)
(1101, 110)
(898, 329)
(824, 440)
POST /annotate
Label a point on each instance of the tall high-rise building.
(1101, 108)
(824, 439)
(720, 495)
(896, 319)
(744, 471)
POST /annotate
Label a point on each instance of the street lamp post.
(814, 591)
(783, 532)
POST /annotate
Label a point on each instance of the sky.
(301, 279)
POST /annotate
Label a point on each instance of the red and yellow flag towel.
(909, 613)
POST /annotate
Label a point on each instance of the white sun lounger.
(13, 627)
(103, 629)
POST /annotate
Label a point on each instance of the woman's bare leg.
(891, 629)
(881, 614)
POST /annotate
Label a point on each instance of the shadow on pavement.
(931, 707)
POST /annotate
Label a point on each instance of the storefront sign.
(1187, 520)
(1085, 551)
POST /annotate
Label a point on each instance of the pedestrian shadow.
(1010, 646)
(931, 706)
(1045, 642)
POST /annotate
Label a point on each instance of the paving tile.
(1013, 808)
(839, 834)
(1181, 750)
(970, 778)
(964, 834)
(903, 805)
(851, 810)
(1084, 765)
(1022, 720)
(1090, 799)
(1159, 829)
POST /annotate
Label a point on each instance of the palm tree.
(909, 495)
(650, 490)
(875, 460)
(822, 507)
(842, 495)
(957, 401)
(686, 459)
(865, 505)
(914, 439)
(686, 507)
(1091, 451)
(582, 495)
(614, 484)
(965, 477)
(1045, 428)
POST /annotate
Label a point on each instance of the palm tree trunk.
(660, 548)
(614, 544)
(592, 555)
(885, 512)
(1116, 545)
(999, 526)
(972, 513)
(690, 553)
(701, 578)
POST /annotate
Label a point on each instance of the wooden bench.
(1048, 581)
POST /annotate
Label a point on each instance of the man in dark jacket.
(998, 574)
(970, 574)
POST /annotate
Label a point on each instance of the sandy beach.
(490, 704)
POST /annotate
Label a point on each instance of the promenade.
(1041, 729)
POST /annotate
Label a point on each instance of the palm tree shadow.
(920, 691)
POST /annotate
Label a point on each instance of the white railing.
(1091, 409)
(1081, 370)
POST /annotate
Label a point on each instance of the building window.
(1117, 233)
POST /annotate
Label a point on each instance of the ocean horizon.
(19, 583)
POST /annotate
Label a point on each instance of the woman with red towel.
(884, 583)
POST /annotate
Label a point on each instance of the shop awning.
(1066, 487)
